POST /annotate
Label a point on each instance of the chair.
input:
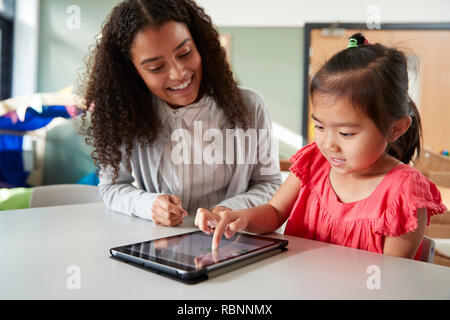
(284, 164)
(441, 258)
(284, 167)
(63, 194)
(428, 247)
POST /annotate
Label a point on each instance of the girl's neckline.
(399, 165)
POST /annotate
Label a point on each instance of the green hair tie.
(353, 43)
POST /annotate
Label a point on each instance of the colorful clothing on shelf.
(12, 169)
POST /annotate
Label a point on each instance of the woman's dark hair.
(117, 99)
(374, 78)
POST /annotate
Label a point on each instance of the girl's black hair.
(375, 80)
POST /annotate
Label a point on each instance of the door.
(429, 72)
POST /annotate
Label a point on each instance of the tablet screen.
(192, 251)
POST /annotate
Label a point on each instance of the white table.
(39, 245)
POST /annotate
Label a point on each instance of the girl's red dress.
(391, 209)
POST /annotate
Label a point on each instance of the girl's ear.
(399, 128)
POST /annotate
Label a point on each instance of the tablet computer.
(189, 256)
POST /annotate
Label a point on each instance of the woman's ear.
(399, 128)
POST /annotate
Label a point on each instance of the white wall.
(272, 13)
(25, 52)
(297, 12)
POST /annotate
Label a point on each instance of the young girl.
(353, 186)
(159, 69)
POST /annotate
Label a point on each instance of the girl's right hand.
(168, 211)
(223, 222)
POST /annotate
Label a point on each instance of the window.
(6, 47)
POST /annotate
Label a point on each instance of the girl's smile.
(335, 162)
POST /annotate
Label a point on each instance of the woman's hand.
(168, 211)
(222, 222)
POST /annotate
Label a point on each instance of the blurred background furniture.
(284, 167)
(40, 140)
(428, 250)
(63, 194)
(436, 167)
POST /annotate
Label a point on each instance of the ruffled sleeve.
(308, 159)
(400, 216)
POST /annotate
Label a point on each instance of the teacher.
(171, 129)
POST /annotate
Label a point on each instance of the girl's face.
(348, 139)
(168, 61)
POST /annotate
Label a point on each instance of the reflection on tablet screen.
(195, 250)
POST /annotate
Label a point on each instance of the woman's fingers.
(167, 210)
(172, 208)
(161, 217)
(177, 203)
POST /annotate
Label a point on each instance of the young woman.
(161, 96)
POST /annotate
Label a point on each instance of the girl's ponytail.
(409, 144)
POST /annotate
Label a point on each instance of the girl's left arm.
(407, 244)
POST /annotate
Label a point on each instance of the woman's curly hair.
(119, 106)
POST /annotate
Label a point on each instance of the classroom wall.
(270, 60)
(295, 13)
(267, 43)
(67, 158)
(64, 44)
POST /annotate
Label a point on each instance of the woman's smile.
(169, 63)
(183, 87)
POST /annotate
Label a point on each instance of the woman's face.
(168, 61)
